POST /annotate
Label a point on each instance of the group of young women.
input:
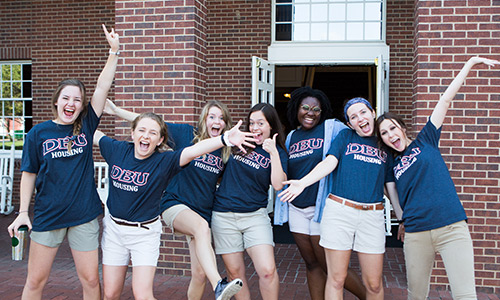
(336, 177)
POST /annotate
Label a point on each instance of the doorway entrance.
(339, 83)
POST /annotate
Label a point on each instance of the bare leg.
(87, 267)
(40, 262)
(189, 222)
(371, 272)
(142, 282)
(198, 277)
(314, 258)
(337, 262)
(113, 281)
(235, 267)
(263, 260)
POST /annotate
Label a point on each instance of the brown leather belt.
(135, 224)
(357, 205)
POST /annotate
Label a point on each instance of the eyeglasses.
(315, 109)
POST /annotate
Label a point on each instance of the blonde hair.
(202, 132)
(77, 125)
(163, 128)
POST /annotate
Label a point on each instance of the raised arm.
(234, 137)
(439, 113)
(108, 73)
(112, 109)
(278, 176)
(97, 137)
(321, 170)
(26, 192)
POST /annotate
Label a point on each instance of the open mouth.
(68, 112)
(215, 131)
(365, 127)
(144, 146)
(258, 137)
(396, 142)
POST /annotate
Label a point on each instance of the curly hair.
(296, 99)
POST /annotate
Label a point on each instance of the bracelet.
(115, 53)
(225, 140)
(22, 211)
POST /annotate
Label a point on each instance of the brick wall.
(163, 69)
(236, 30)
(447, 34)
(400, 26)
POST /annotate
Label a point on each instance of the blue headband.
(354, 101)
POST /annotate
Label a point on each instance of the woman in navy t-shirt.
(353, 217)
(240, 219)
(434, 218)
(139, 173)
(307, 145)
(57, 160)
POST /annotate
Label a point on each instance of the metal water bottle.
(19, 243)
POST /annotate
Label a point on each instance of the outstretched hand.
(113, 38)
(481, 60)
(269, 145)
(22, 219)
(110, 107)
(294, 189)
(240, 138)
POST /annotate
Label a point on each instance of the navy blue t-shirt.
(362, 169)
(245, 183)
(136, 185)
(195, 185)
(426, 191)
(66, 193)
(305, 152)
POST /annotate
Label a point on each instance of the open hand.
(294, 189)
(240, 138)
(113, 38)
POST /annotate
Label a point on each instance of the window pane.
(16, 72)
(354, 31)
(18, 108)
(302, 13)
(373, 12)
(284, 32)
(301, 32)
(284, 13)
(26, 72)
(26, 92)
(373, 31)
(6, 89)
(319, 12)
(355, 11)
(319, 31)
(337, 32)
(283, 1)
(337, 12)
(5, 72)
(16, 90)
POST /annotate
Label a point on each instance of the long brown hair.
(163, 128)
(201, 132)
(77, 125)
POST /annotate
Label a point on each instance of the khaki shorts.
(346, 228)
(84, 237)
(235, 232)
(169, 216)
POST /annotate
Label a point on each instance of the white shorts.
(301, 221)
(235, 232)
(120, 243)
(347, 228)
(169, 216)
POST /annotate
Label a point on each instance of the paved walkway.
(64, 284)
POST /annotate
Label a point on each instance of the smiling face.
(146, 137)
(309, 113)
(393, 135)
(69, 105)
(361, 118)
(260, 126)
(215, 122)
